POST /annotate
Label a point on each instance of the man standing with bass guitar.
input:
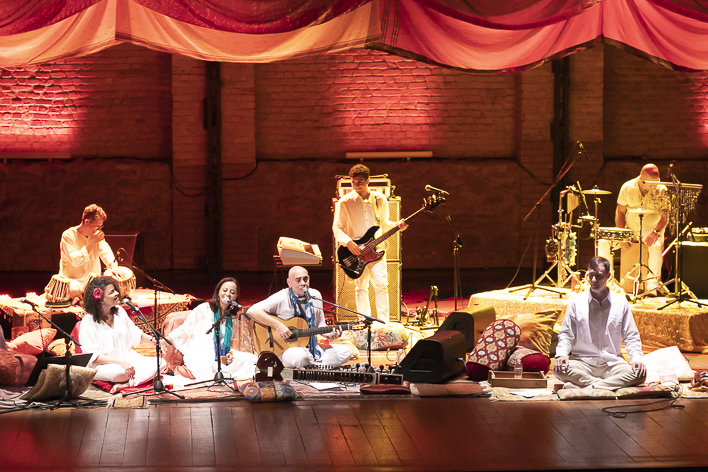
(354, 215)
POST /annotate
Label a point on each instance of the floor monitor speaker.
(435, 359)
(694, 261)
(470, 321)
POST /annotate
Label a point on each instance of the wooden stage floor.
(363, 435)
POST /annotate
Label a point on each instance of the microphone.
(582, 151)
(306, 292)
(232, 303)
(430, 188)
(126, 301)
(32, 304)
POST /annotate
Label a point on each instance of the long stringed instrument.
(354, 265)
(266, 339)
(270, 367)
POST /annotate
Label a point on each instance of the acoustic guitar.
(266, 339)
(270, 367)
(354, 265)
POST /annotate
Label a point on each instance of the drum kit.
(673, 199)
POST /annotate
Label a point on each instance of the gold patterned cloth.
(684, 325)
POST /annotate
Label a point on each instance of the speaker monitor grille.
(344, 293)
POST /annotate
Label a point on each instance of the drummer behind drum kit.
(673, 199)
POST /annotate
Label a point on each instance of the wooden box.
(499, 378)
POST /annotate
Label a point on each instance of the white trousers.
(601, 375)
(299, 357)
(144, 370)
(378, 276)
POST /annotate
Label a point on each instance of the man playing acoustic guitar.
(299, 301)
(354, 214)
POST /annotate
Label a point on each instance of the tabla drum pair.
(57, 291)
(126, 280)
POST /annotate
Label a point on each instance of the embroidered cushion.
(15, 367)
(268, 391)
(492, 349)
(586, 394)
(653, 391)
(390, 336)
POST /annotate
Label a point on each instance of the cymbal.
(642, 211)
(595, 191)
(587, 218)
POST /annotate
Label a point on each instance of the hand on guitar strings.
(402, 225)
(353, 248)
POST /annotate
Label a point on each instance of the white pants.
(376, 274)
(299, 357)
(601, 375)
(144, 370)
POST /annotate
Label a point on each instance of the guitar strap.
(308, 315)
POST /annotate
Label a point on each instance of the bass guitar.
(266, 339)
(354, 265)
(270, 367)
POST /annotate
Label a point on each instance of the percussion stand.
(68, 399)
(157, 386)
(567, 165)
(663, 285)
(639, 265)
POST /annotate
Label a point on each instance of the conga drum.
(57, 291)
(126, 281)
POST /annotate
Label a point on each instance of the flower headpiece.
(97, 293)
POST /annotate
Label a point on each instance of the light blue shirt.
(594, 330)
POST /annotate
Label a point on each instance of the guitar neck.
(324, 329)
(394, 230)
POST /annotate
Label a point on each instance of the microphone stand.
(156, 284)
(68, 399)
(368, 321)
(219, 378)
(457, 245)
(561, 173)
(157, 386)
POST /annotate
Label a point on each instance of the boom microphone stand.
(68, 399)
(368, 321)
(156, 284)
(157, 386)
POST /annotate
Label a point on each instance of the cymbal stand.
(569, 162)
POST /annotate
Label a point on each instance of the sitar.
(354, 265)
(266, 339)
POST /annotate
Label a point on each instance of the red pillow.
(531, 361)
(34, 342)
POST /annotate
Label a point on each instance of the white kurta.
(77, 260)
(197, 348)
(100, 339)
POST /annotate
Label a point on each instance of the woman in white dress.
(199, 349)
(109, 335)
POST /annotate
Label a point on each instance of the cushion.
(34, 342)
(531, 361)
(389, 336)
(52, 382)
(653, 391)
(536, 329)
(172, 356)
(15, 367)
(667, 358)
(492, 349)
(268, 391)
(58, 347)
(586, 394)
(75, 335)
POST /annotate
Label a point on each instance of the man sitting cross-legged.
(595, 325)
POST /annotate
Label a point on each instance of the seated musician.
(292, 302)
(200, 350)
(82, 249)
(633, 195)
(109, 334)
(596, 323)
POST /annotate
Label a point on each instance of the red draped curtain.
(488, 36)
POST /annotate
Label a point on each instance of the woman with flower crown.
(109, 335)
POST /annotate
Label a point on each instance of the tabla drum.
(618, 234)
(126, 280)
(91, 276)
(57, 291)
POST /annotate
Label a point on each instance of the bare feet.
(118, 387)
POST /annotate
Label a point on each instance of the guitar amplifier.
(380, 184)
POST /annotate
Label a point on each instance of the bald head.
(298, 279)
(650, 172)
